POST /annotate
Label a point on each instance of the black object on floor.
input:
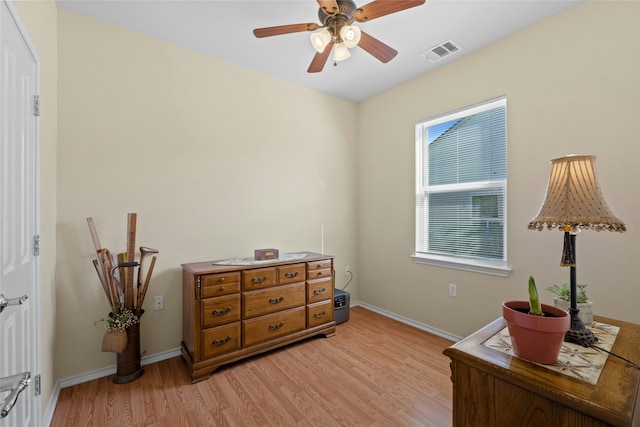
(341, 302)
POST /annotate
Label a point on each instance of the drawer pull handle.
(319, 315)
(259, 279)
(222, 288)
(319, 273)
(276, 300)
(221, 312)
(276, 326)
(319, 291)
(220, 342)
(221, 279)
(291, 275)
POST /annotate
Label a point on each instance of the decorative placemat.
(583, 363)
(252, 261)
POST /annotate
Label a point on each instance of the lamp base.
(579, 334)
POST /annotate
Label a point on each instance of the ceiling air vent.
(440, 51)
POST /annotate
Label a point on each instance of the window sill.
(495, 268)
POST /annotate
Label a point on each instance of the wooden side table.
(492, 388)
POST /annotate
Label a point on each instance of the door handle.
(4, 302)
(14, 384)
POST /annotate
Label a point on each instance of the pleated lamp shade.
(574, 199)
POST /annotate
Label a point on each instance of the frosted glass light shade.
(320, 40)
(340, 52)
(350, 35)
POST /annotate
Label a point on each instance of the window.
(461, 188)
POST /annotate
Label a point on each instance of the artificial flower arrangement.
(115, 338)
(122, 320)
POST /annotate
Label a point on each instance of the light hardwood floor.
(374, 372)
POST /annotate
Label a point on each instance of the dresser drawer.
(318, 269)
(214, 285)
(220, 340)
(291, 273)
(257, 303)
(319, 290)
(258, 278)
(319, 313)
(316, 274)
(272, 326)
(319, 265)
(221, 310)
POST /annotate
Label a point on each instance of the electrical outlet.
(159, 302)
(452, 290)
(347, 270)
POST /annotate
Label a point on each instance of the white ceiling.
(223, 29)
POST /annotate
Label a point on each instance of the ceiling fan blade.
(330, 6)
(379, 8)
(318, 61)
(376, 48)
(284, 29)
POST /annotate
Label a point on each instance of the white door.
(19, 343)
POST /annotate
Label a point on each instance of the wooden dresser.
(492, 388)
(235, 311)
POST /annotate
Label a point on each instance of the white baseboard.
(93, 375)
(422, 326)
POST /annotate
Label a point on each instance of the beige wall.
(40, 21)
(217, 160)
(572, 85)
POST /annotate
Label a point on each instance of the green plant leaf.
(564, 292)
(534, 301)
(561, 290)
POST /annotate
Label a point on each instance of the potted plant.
(562, 300)
(536, 330)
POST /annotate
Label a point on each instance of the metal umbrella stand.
(125, 295)
(128, 362)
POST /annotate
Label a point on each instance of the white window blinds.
(461, 184)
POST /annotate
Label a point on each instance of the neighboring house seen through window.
(461, 189)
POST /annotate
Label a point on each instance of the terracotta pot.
(536, 338)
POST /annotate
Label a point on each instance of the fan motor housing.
(346, 10)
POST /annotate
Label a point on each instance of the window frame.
(478, 265)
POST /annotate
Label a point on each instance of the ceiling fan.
(338, 33)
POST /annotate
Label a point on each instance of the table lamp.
(575, 202)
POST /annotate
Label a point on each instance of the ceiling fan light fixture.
(335, 29)
(340, 52)
(350, 35)
(320, 40)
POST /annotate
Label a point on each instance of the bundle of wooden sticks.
(117, 273)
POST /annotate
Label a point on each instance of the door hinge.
(37, 385)
(36, 105)
(36, 245)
